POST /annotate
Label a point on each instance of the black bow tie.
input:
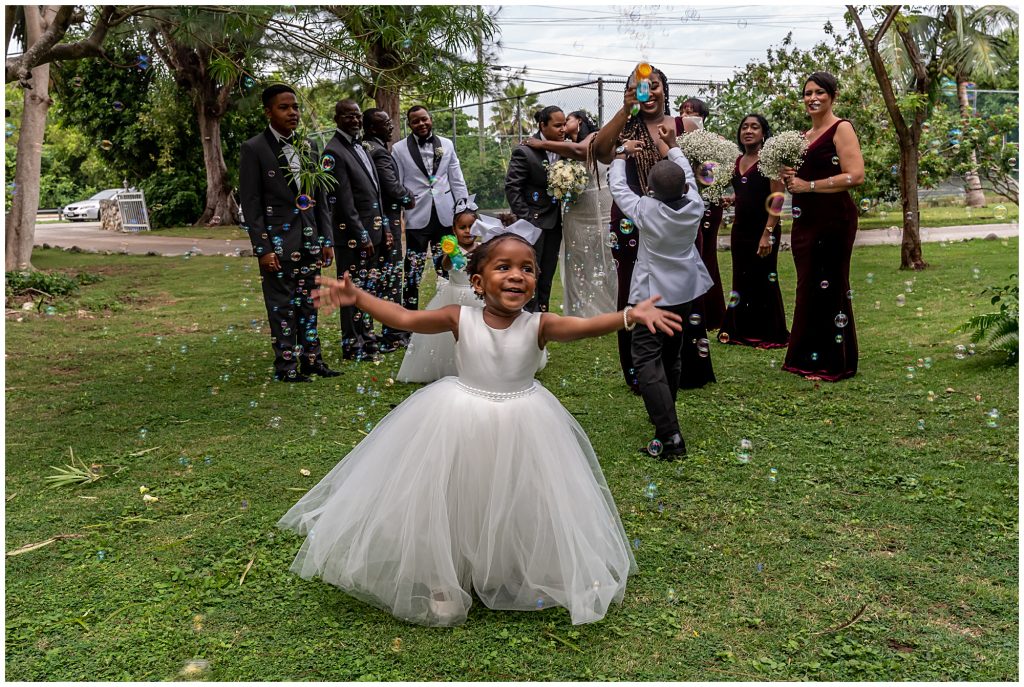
(288, 140)
(356, 140)
(425, 141)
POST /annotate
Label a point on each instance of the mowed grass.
(883, 551)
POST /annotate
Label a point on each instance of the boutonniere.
(367, 147)
(438, 153)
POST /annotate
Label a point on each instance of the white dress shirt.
(552, 157)
(364, 159)
(290, 154)
(427, 153)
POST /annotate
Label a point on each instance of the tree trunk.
(21, 220)
(386, 98)
(972, 182)
(910, 249)
(221, 208)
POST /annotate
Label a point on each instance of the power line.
(628, 61)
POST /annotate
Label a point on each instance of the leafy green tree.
(513, 115)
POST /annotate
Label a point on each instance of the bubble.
(814, 357)
(143, 433)
(796, 213)
(960, 351)
(901, 300)
(723, 337)
(612, 241)
(303, 202)
(76, 82)
(106, 145)
(248, 81)
(654, 448)
(194, 668)
(849, 294)
(118, 106)
(971, 349)
(993, 418)
(694, 319)
(1000, 212)
(773, 476)
(926, 127)
(1011, 163)
(773, 277)
(327, 163)
(407, 43)
(636, 544)
(824, 283)
(835, 160)
(275, 422)
(744, 450)
(626, 226)
(839, 338)
(651, 491)
(101, 555)
(703, 348)
(773, 204)
(671, 596)
(707, 173)
(743, 180)
(865, 204)
(871, 277)
(842, 320)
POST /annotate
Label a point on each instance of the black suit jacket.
(526, 187)
(354, 205)
(268, 197)
(394, 195)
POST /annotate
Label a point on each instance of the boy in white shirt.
(668, 265)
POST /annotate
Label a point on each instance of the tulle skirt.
(432, 356)
(456, 491)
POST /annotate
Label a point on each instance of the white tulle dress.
(432, 356)
(478, 484)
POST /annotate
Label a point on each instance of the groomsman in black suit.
(286, 238)
(354, 211)
(526, 189)
(377, 128)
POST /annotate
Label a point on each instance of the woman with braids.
(587, 268)
(634, 135)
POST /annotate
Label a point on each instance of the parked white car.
(85, 210)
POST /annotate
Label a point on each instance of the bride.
(588, 272)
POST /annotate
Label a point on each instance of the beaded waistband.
(497, 395)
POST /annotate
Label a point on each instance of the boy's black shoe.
(321, 370)
(296, 378)
(673, 449)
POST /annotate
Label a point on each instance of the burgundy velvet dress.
(759, 317)
(713, 301)
(823, 342)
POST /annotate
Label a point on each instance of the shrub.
(52, 283)
(998, 331)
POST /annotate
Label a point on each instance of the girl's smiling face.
(508, 277)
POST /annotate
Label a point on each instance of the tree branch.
(18, 68)
(884, 26)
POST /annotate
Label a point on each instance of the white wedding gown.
(477, 484)
(588, 272)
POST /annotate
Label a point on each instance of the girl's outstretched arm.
(334, 293)
(556, 328)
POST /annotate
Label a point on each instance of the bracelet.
(812, 187)
(625, 321)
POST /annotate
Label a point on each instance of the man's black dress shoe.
(320, 370)
(296, 378)
(673, 449)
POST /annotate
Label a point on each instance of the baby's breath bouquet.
(567, 179)
(784, 149)
(712, 157)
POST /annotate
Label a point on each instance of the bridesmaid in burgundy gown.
(823, 344)
(758, 318)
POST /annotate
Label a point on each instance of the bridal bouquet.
(567, 179)
(713, 158)
(784, 149)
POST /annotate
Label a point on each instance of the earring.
(479, 294)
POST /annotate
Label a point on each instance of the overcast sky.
(692, 41)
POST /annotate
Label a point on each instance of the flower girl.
(432, 356)
(477, 484)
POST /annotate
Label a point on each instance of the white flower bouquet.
(784, 149)
(567, 179)
(712, 158)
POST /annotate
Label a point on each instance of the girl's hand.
(654, 319)
(532, 142)
(333, 294)
(764, 246)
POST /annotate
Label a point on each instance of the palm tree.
(973, 48)
(513, 114)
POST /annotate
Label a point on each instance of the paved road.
(88, 236)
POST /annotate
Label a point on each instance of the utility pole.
(480, 62)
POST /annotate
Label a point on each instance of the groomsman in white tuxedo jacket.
(429, 168)
(667, 265)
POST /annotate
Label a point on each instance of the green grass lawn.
(739, 578)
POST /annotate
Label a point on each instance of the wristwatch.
(620, 150)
